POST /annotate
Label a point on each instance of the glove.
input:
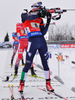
(43, 12)
(15, 33)
(48, 18)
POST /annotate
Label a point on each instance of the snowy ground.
(65, 70)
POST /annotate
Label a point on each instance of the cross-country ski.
(53, 93)
(22, 96)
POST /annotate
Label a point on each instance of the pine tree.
(6, 37)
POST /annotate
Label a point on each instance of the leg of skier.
(20, 56)
(29, 58)
(22, 61)
(44, 58)
(32, 70)
(32, 67)
(14, 52)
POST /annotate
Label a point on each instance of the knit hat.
(35, 5)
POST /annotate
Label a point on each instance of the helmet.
(35, 8)
(19, 26)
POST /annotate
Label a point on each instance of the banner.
(53, 46)
(67, 46)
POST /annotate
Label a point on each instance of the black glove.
(48, 18)
(43, 12)
(15, 33)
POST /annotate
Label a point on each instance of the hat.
(35, 5)
(19, 26)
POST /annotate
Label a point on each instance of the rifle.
(58, 11)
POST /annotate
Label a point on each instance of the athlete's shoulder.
(24, 17)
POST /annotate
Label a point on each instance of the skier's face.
(22, 31)
(36, 9)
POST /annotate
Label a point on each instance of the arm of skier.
(43, 27)
(14, 36)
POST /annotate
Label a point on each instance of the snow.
(3, 57)
(64, 69)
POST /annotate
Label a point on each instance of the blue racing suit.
(36, 30)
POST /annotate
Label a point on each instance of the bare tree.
(63, 32)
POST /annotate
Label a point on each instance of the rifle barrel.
(69, 9)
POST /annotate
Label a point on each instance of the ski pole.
(11, 90)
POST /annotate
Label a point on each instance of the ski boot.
(23, 62)
(32, 71)
(16, 71)
(21, 86)
(48, 86)
(11, 63)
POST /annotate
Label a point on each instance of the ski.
(14, 65)
(53, 93)
(11, 90)
(22, 95)
(14, 77)
(35, 76)
(73, 62)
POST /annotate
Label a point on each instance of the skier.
(16, 43)
(35, 28)
(23, 44)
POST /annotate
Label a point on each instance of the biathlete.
(23, 44)
(36, 29)
(16, 44)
